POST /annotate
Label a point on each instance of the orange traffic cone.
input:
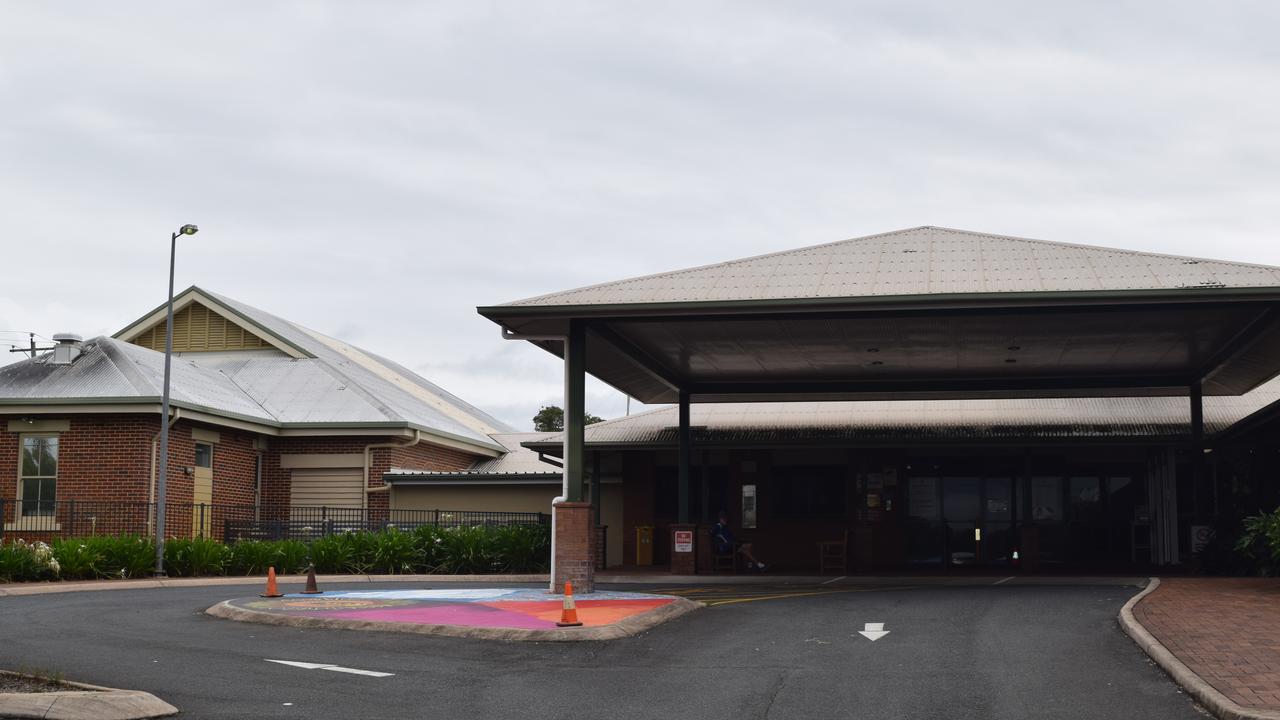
(272, 590)
(311, 588)
(569, 616)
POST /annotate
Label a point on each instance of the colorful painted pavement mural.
(490, 607)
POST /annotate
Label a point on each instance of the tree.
(550, 418)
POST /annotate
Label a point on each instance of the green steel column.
(685, 453)
(575, 390)
(1198, 474)
(597, 486)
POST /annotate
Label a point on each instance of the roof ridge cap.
(1104, 248)
(723, 263)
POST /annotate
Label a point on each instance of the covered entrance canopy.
(924, 313)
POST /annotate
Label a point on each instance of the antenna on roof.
(32, 350)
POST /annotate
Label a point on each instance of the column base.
(575, 556)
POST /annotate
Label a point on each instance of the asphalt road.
(953, 651)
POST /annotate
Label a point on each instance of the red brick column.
(575, 560)
(683, 563)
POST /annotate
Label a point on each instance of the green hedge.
(465, 550)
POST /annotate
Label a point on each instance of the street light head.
(188, 230)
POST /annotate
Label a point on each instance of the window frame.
(19, 499)
(195, 459)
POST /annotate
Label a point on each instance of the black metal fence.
(72, 518)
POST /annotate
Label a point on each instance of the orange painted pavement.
(591, 612)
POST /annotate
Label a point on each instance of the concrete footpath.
(1217, 637)
(84, 702)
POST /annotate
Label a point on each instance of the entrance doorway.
(202, 492)
(960, 514)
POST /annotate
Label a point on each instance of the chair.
(722, 561)
(834, 555)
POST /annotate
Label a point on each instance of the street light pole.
(163, 461)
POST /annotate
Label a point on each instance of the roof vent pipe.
(68, 348)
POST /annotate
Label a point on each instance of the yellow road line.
(731, 600)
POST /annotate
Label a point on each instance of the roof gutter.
(499, 313)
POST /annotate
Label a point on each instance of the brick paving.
(1226, 630)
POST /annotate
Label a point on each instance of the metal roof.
(927, 314)
(909, 421)
(333, 384)
(920, 261)
(518, 462)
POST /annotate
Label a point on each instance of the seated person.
(726, 544)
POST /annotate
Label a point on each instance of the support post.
(1198, 474)
(683, 533)
(573, 527)
(575, 388)
(685, 453)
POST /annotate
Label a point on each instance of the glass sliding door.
(925, 534)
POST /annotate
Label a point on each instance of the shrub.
(428, 542)
(522, 548)
(291, 556)
(79, 558)
(195, 557)
(22, 561)
(123, 556)
(467, 550)
(331, 554)
(430, 549)
(1260, 542)
(129, 556)
(394, 552)
(251, 557)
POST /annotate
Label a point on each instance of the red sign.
(684, 541)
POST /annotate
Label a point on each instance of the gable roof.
(304, 378)
(924, 260)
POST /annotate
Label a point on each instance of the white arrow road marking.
(327, 666)
(873, 631)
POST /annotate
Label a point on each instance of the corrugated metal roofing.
(402, 391)
(337, 384)
(516, 462)
(941, 420)
(921, 261)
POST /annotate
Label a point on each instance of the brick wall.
(423, 456)
(107, 459)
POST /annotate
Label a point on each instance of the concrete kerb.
(17, 590)
(88, 702)
(627, 627)
(1217, 703)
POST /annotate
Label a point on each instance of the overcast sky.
(377, 170)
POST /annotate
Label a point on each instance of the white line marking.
(353, 671)
(1001, 582)
(303, 665)
(330, 667)
(828, 582)
(873, 631)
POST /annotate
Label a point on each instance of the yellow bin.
(644, 544)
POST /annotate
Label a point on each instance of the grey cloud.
(376, 171)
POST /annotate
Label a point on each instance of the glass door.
(978, 516)
(962, 515)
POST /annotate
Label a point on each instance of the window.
(38, 475)
(204, 455)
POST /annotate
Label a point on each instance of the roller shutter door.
(338, 487)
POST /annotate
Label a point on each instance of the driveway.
(953, 649)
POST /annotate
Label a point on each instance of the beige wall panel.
(489, 498)
(333, 488)
(510, 498)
